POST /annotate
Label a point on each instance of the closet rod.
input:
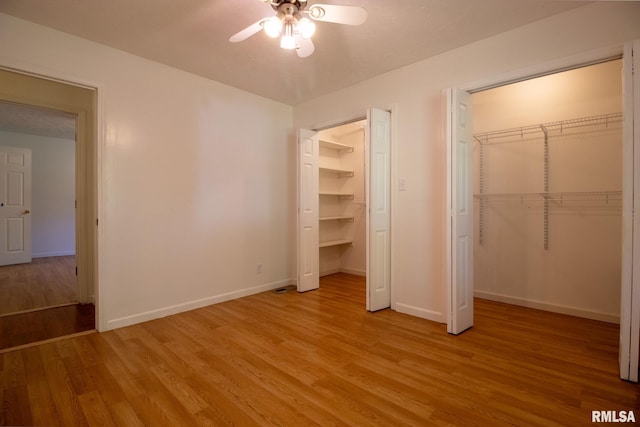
(605, 197)
(561, 126)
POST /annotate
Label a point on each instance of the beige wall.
(195, 178)
(580, 271)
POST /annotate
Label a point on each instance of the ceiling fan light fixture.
(288, 41)
(306, 27)
(272, 26)
(295, 24)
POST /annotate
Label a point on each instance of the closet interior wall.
(547, 205)
(342, 202)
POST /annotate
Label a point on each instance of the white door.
(308, 216)
(630, 289)
(460, 212)
(378, 179)
(15, 205)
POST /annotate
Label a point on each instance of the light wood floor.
(46, 324)
(44, 282)
(319, 358)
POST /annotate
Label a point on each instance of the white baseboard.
(49, 254)
(353, 271)
(434, 316)
(328, 272)
(554, 308)
(192, 305)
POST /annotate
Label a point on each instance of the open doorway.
(547, 173)
(39, 269)
(342, 200)
(59, 271)
(344, 206)
(460, 198)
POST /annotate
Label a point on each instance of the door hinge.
(76, 204)
(76, 270)
(96, 222)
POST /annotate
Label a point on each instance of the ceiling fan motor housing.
(288, 6)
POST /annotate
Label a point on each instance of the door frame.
(393, 178)
(539, 70)
(88, 125)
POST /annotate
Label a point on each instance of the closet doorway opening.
(547, 185)
(460, 227)
(344, 206)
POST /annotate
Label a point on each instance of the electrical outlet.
(258, 268)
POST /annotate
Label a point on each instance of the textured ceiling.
(36, 121)
(192, 35)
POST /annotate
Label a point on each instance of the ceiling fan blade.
(247, 32)
(305, 47)
(350, 15)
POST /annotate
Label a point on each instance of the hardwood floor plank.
(62, 392)
(318, 358)
(40, 399)
(95, 409)
(123, 414)
(44, 282)
(15, 409)
(21, 329)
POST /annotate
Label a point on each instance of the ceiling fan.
(293, 23)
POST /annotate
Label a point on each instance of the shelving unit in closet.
(335, 171)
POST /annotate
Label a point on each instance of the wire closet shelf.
(593, 201)
(603, 120)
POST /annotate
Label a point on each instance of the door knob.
(26, 211)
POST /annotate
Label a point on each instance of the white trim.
(192, 305)
(447, 122)
(546, 68)
(330, 271)
(52, 254)
(354, 271)
(554, 308)
(393, 188)
(434, 316)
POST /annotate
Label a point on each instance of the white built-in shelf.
(339, 194)
(328, 243)
(336, 218)
(335, 145)
(339, 172)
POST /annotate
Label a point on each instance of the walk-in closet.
(548, 192)
(342, 200)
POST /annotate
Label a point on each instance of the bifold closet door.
(379, 210)
(630, 291)
(308, 215)
(460, 212)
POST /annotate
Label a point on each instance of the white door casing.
(15, 205)
(378, 189)
(308, 215)
(460, 212)
(630, 286)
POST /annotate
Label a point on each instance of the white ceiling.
(36, 121)
(192, 35)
